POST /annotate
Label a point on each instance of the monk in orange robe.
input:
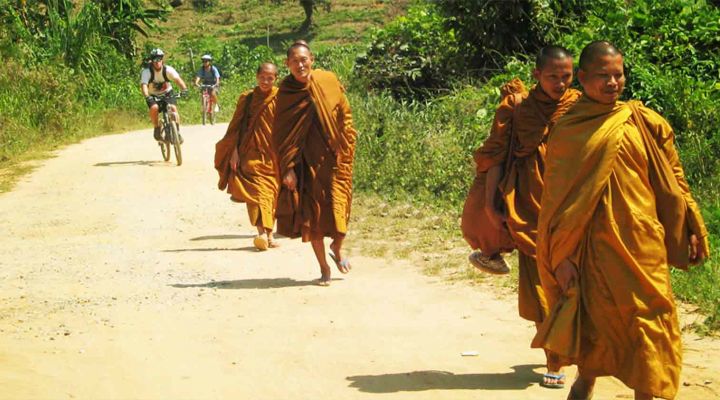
(315, 142)
(612, 178)
(528, 117)
(245, 159)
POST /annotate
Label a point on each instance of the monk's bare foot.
(272, 243)
(325, 277)
(582, 389)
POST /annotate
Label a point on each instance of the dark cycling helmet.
(156, 54)
(206, 57)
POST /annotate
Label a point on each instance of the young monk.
(315, 142)
(245, 159)
(528, 117)
(604, 238)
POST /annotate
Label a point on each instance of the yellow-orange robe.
(598, 210)
(254, 180)
(314, 136)
(522, 184)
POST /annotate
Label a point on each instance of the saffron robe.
(598, 210)
(314, 136)
(522, 183)
(254, 179)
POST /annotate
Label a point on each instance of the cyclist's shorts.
(215, 90)
(170, 99)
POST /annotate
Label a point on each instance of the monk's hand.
(290, 180)
(495, 216)
(697, 250)
(566, 275)
(234, 160)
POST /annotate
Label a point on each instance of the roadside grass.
(91, 124)
(429, 237)
(253, 22)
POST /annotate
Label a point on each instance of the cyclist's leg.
(153, 112)
(214, 96)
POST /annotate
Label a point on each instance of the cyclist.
(209, 75)
(155, 80)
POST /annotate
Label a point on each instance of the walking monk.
(315, 142)
(616, 209)
(245, 159)
(519, 131)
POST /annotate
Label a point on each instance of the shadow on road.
(246, 248)
(139, 162)
(416, 381)
(213, 237)
(270, 283)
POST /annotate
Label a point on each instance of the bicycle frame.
(208, 104)
(170, 125)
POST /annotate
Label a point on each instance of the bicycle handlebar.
(162, 97)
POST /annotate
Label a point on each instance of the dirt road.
(124, 277)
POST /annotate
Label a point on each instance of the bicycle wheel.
(204, 108)
(212, 117)
(165, 150)
(175, 139)
(164, 145)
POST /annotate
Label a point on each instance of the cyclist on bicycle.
(155, 80)
(209, 75)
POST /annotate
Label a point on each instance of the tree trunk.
(308, 6)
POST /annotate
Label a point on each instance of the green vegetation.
(417, 149)
(423, 90)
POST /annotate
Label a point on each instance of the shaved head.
(298, 44)
(269, 67)
(548, 53)
(595, 50)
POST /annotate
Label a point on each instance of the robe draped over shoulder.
(598, 210)
(314, 136)
(254, 179)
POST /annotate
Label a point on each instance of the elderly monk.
(615, 210)
(315, 142)
(528, 117)
(245, 158)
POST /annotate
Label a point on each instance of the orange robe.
(314, 136)
(599, 211)
(254, 179)
(522, 184)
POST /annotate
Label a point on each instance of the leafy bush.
(420, 150)
(412, 56)
(493, 31)
(231, 58)
(672, 58)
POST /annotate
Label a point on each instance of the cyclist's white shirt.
(162, 86)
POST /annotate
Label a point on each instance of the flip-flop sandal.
(342, 265)
(273, 244)
(322, 282)
(556, 385)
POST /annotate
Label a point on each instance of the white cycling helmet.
(156, 53)
(206, 57)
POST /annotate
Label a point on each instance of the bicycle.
(170, 127)
(208, 106)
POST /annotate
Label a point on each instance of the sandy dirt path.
(123, 277)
